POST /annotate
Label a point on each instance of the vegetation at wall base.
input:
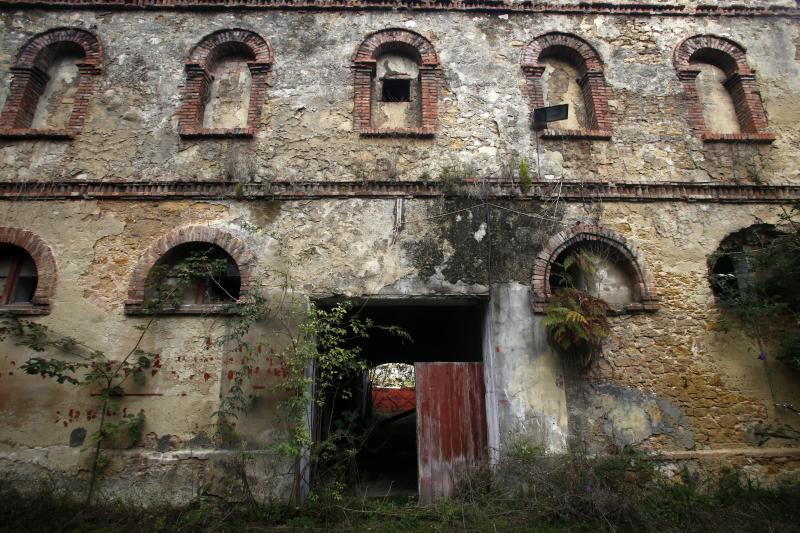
(621, 492)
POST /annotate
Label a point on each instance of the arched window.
(193, 273)
(561, 68)
(52, 82)
(27, 272)
(596, 260)
(396, 77)
(191, 270)
(226, 85)
(720, 90)
(17, 275)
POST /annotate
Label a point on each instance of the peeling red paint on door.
(451, 424)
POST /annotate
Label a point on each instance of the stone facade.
(298, 181)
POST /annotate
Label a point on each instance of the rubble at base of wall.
(148, 478)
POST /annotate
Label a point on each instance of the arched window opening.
(719, 112)
(226, 85)
(560, 86)
(561, 68)
(396, 77)
(595, 260)
(58, 98)
(396, 101)
(740, 267)
(52, 82)
(193, 273)
(229, 93)
(18, 278)
(598, 270)
(722, 97)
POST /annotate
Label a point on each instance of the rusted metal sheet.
(451, 425)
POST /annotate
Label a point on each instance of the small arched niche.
(191, 274)
(229, 91)
(58, 98)
(560, 86)
(596, 260)
(719, 111)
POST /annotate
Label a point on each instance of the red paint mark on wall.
(206, 376)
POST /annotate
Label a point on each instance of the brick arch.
(561, 45)
(585, 58)
(43, 258)
(741, 84)
(364, 64)
(200, 63)
(235, 247)
(221, 42)
(720, 51)
(30, 77)
(644, 286)
(381, 41)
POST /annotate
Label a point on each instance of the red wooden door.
(451, 424)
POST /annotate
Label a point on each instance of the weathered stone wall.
(671, 380)
(306, 130)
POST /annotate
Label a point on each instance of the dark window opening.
(396, 90)
(194, 273)
(18, 276)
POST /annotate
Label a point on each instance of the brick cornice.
(580, 8)
(578, 191)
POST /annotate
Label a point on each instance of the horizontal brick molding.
(540, 190)
(234, 247)
(740, 83)
(581, 55)
(46, 271)
(677, 9)
(364, 63)
(644, 288)
(200, 63)
(29, 78)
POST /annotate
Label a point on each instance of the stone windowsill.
(34, 133)
(752, 137)
(138, 308)
(218, 133)
(397, 132)
(579, 134)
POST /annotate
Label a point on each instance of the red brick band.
(200, 63)
(235, 247)
(582, 56)
(29, 80)
(363, 64)
(644, 286)
(741, 84)
(43, 258)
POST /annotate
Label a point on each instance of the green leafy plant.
(577, 320)
(525, 179)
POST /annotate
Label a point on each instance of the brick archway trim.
(645, 290)
(200, 63)
(741, 84)
(30, 77)
(234, 246)
(585, 58)
(364, 63)
(43, 258)
(384, 40)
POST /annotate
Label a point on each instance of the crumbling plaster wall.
(668, 380)
(307, 130)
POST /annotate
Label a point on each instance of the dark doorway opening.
(387, 463)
